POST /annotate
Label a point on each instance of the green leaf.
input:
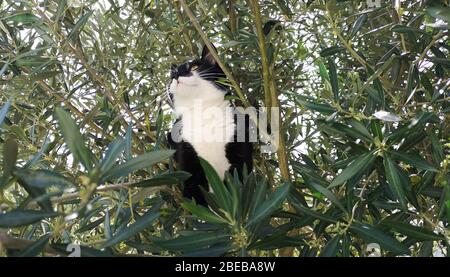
(371, 234)
(416, 232)
(213, 251)
(142, 161)
(4, 110)
(354, 168)
(333, 79)
(79, 25)
(331, 248)
(140, 224)
(42, 178)
(24, 18)
(270, 205)
(346, 243)
(314, 214)
(37, 157)
(414, 160)
(393, 178)
(411, 82)
(436, 147)
(375, 127)
(331, 51)
(73, 138)
(17, 218)
(163, 180)
(361, 129)
(107, 224)
(10, 151)
(257, 197)
(321, 108)
(115, 148)
(440, 12)
(33, 61)
(376, 95)
(328, 194)
(284, 8)
(19, 133)
(345, 131)
(407, 29)
(44, 75)
(358, 24)
(35, 248)
(412, 129)
(203, 213)
(218, 187)
(128, 141)
(234, 185)
(61, 8)
(442, 61)
(194, 242)
(323, 71)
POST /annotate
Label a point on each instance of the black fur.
(186, 158)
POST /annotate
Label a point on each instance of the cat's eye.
(194, 67)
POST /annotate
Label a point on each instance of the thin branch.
(233, 19)
(76, 195)
(271, 100)
(270, 90)
(262, 47)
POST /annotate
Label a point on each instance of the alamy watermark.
(74, 250)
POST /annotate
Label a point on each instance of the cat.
(205, 125)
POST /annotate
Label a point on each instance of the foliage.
(364, 97)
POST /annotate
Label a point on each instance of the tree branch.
(262, 47)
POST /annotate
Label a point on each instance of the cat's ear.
(207, 56)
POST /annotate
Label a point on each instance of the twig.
(75, 195)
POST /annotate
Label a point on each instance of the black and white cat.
(206, 126)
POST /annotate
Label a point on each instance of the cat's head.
(199, 78)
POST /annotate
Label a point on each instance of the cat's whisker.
(207, 71)
(212, 75)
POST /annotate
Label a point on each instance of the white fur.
(207, 120)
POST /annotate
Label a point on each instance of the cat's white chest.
(209, 132)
